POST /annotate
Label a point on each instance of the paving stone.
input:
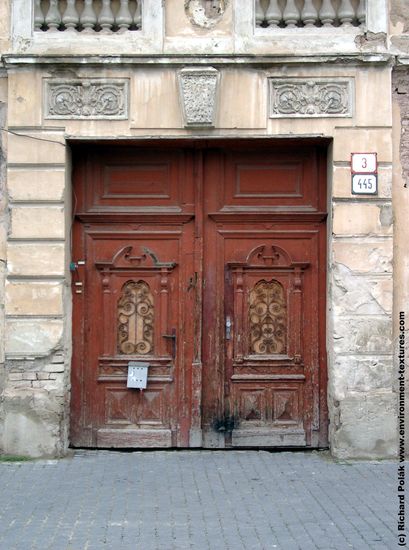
(197, 501)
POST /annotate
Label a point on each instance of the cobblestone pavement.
(198, 500)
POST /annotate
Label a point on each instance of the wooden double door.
(207, 261)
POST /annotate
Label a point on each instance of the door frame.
(199, 145)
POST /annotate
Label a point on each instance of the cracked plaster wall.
(3, 240)
(400, 86)
(361, 401)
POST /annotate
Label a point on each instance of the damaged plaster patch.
(361, 374)
(356, 294)
(371, 39)
(386, 215)
(366, 427)
(357, 334)
(401, 91)
(205, 13)
(32, 423)
(401, 43)
(399, 13)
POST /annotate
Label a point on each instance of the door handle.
(228, 327)
(173, 338)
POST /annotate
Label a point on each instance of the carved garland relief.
(268, 319)
(295, 97)
(135, 319)
(86, 99)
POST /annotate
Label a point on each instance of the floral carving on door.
(135, 289)
(267, 306)
(135, 319)
(267, 318)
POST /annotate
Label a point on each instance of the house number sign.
(364, 168)
(137, 375)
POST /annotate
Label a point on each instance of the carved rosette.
(86, 99)
(198, 92)
(302, 98)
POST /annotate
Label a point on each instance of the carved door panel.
(265, 352)
(131, 302)
(265, 298)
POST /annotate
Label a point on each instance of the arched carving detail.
(268, 319)
(268, 255)
(135, 319)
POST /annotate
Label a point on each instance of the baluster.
(53, 17)
(309, 14)
(259, 14)
(70, 17)
(106, 17)
(291, 14)
(38, 16)
(327, 13)
(361, 12)
(88, 17)
(137, 18)
(346, 13)
(274, 14)
(123, 18)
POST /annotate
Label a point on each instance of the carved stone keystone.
(198, 93)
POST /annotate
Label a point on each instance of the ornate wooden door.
(133, 254)
(264, 317)
(207, 262)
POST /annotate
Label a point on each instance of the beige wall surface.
(5, 26)
(399, 25)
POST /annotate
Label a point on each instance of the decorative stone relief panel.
(86, 99)
(198, 91)
(205, 13)
(296, 97)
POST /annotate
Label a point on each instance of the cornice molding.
(12, 60)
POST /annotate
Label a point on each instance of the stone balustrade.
(87, 16)
(310, 13)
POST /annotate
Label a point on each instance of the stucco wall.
(400, 86)
(359, 272)
(3, 235)
(35, 396)
(399, 25)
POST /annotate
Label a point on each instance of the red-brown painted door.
(264, 316)
(221, 248)
(134, 233)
